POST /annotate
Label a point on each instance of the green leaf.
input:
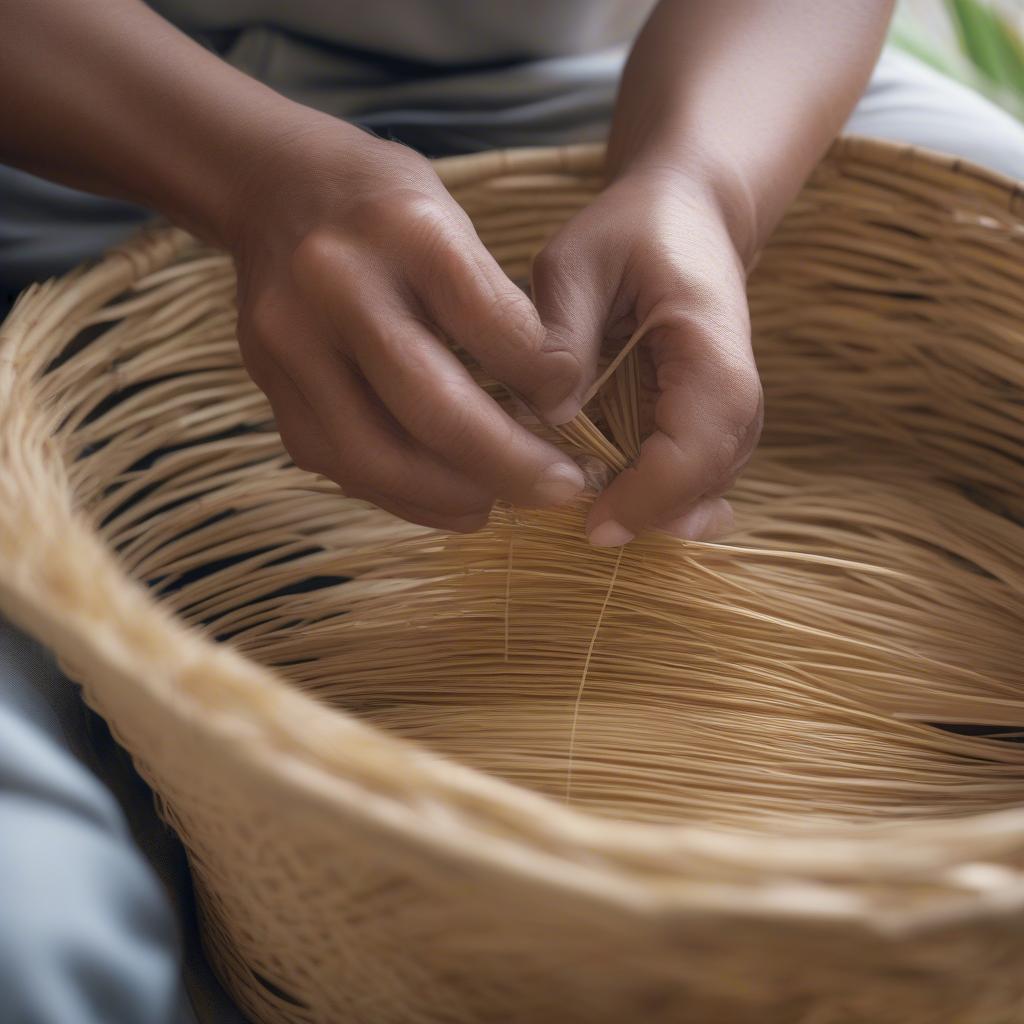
(1013, 46)
(911, 39)
(990, 42)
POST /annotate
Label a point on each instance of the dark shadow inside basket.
(186, 477)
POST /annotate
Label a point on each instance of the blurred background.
(979, 42)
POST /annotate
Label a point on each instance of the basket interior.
(852, 654)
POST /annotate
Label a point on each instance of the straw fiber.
(506, 777)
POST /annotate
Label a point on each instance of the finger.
(331, 425)
(709, 519)
(313, 451)
(457, 509)
(432, 395)
(707, 421)
(573, 296)
(468, 296)
(469, 523)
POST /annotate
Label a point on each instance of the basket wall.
(348, 875)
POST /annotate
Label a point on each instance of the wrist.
(700, 177)
(309, 170)
(211, 188)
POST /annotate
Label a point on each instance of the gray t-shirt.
(442, 75)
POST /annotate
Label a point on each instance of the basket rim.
(588, 158)
(321, 757)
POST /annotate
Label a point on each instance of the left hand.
(654, 247)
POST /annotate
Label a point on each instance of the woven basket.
(373, 777)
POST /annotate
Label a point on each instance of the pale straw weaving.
(507, 777)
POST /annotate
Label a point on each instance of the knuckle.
(261, 323)
(411, 213)
(551, 262)
(745, 401)
(543, 366)
(512, 318)
(275, 343)
(742, 412)
(457, 431)
(692, 289)
(302, 455)
(559, 378)
(410, 369)
(415, 207)
(303, 459)
(316, 250)
(717, 359)
(259, 373)
(258, 312)
(696, 331)
(354, 474)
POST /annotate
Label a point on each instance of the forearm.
(741, 97)
(111, 98)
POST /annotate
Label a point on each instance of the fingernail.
(709, 520)
(690, 526)
(558, 484)
(563, 412)
(610, 534)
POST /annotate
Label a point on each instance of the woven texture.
(506, 777)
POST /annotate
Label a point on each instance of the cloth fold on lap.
(90, 929)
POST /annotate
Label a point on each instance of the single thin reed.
(583, 675)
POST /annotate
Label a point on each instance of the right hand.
(355, 269)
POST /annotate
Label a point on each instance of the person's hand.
(356, 270)
(654, 248)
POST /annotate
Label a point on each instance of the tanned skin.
(355, 266)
